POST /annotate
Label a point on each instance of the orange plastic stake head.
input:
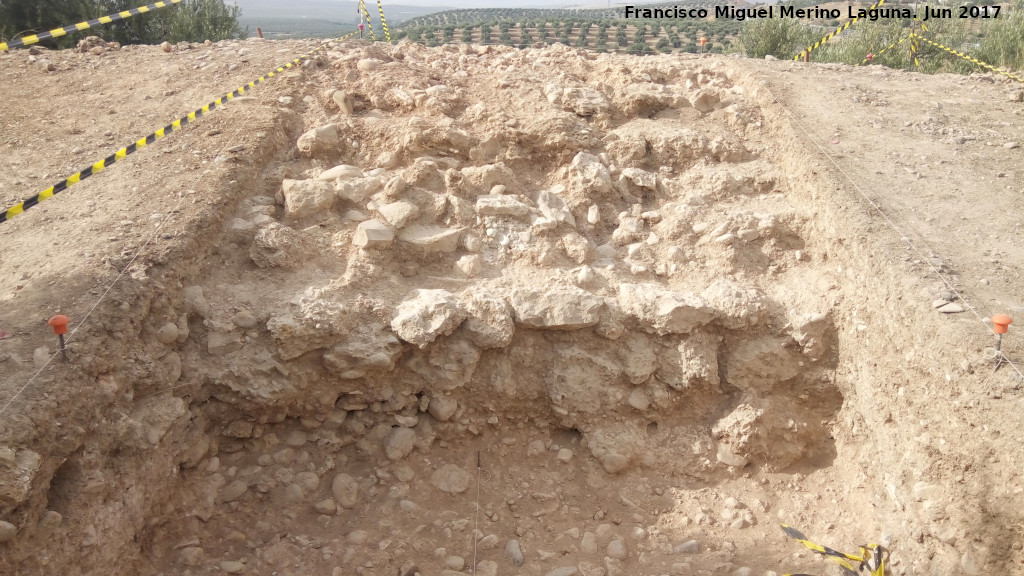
(60, 324)
(1001, 323)
(703, 40)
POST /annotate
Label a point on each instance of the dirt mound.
(482, 310)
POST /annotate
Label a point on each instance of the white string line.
(885, 216)
(135, 256)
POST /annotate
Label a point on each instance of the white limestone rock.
(556, 309)
(278, 246)
(373, 235)
(399, 214)
(589, 179)
(344, 102)
(369, 348)
(358, 190)
(489, 324)
(432, 238)
(321, 140)
(756, 366)
(340, 172)
(426, 314)
(490, 205)
(481, 179)
(662, 311)
(304, 198)
(692, 363)
(554, 208)
(469, 265)
(640, 178)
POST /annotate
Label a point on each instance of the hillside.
(497, 311)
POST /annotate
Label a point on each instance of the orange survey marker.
(1001, 322)
(1000, 325)
(60, 328)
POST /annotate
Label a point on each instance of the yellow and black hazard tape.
(834, 33)
(369, 23)
(384, 21)
(873, 557)
(969, 58)
(883, 50)
(143, 142)
(55, 33)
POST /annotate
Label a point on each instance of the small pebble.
(951, 308)
(617, 549)
(515, 552)
(688, 547)
(7, 531)
(167, 334)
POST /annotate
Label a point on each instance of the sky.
(464, 3)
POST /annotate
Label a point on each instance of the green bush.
(781, 38)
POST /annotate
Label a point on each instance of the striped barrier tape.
(834, 33)
(58, 32)
(384, 21)
(914, 46)
(883, 50)
(143, 142)
(369, 23)
(873, 557)
(970, 59)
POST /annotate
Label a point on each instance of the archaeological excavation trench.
(555, 312)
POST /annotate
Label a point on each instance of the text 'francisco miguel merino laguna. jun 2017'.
(924, 13)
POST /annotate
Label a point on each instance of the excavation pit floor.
(476, 310)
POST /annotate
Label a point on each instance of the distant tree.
(641, 33)
(582, 40)
(485, 34)
(620, 37)
(526, 39)
(191, 21)
(467, 34)
(663, 45)
(542, 31)
(639, 48)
